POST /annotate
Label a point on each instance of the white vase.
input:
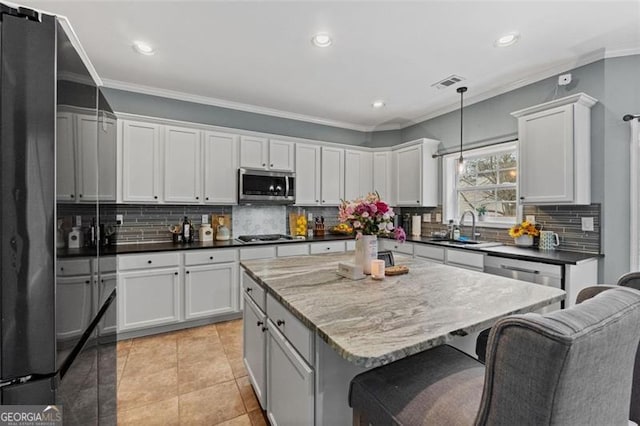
(524, 241)
(366, 251)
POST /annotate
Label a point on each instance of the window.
(489, 180)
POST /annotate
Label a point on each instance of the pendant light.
(461, 90)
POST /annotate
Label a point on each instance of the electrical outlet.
(119, 219)
(587, 224)
(426, 217)
(531, 218)
(438, 217)
(205, 218)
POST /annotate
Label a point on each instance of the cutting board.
(215, 223)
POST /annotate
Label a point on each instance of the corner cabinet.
(554, 151)
(416, 173)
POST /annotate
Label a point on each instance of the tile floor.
(187, 377)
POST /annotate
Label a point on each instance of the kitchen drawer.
(254, 290)
(146, 261)
(292, 250)
(65, 268)
(329, 247)
(293, 329)
(205, 257)
(393, 245)
(466, 258)
(264, 252)
(108, 264)
(351, 245)
(430, 252)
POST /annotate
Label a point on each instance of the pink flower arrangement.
(370, 216)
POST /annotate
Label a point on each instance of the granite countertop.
(556, 257)
(372, 323)
(169, 246)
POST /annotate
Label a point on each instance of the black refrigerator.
(42, 78)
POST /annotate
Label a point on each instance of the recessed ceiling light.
(321, 40)
(143, 48)
(507, 40)
(378, 104)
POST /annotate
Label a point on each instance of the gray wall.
(614, 82)
(155, 106)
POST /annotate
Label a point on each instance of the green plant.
(482, 210)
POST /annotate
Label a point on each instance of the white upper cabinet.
(220, 168)
(416, 174)
(140, 162)
(107, 158)
(281, 155)
(382, 176)
(267, 154)
(332, 175)
(86, 168)
(554, 151)
(307, 175)
(254, 152)
(66, 158)
(358, 178)
(182, 176)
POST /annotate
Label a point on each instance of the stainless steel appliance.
(266, 238)
(533, 272)
(41, 71)
(267, 187)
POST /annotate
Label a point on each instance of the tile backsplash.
(565, 220)
(149, 223)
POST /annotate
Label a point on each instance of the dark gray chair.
(630, 279)
(567, 367)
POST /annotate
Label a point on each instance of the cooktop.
(267, 238)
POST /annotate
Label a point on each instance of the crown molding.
(75, 41)
(437, 110)
(205, 100)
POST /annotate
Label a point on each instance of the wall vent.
(448, 82)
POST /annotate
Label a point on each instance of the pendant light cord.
(461, 90)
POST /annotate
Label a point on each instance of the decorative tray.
(396, 270)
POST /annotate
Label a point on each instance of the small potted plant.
(523, 233)
(482, 211)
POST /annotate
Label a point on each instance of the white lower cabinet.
(106, 284)
(277, 352)
(74, 305)
(210, 290)
(465, 259)
(148, 298)
(254, 347)
(393, 245)
(290, 386)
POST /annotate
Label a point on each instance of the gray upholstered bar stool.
(568, 367)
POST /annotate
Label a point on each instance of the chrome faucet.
(473, 222)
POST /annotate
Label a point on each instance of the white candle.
(377, 269)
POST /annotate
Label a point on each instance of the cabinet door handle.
(210, 257)
(513, 268)
(317, 201)
(197, 198)
(270, 165)
(61, 268)
(328, 248)
(149, 262)
(259, 323)
(279, 323)
(72, 196)
(264, 164)
(264, 329)
(155, 197)
(249, 290)
(522, 198)
(417, 201)
(87, 282)
(207, 198)
(187, 272)
(175, 273)
(80, 195)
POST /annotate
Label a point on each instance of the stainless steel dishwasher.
(524, 270)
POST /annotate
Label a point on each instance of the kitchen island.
(330, 328)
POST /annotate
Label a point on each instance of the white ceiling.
(258, 55)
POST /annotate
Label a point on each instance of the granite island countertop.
(372, 323)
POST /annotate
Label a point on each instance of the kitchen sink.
(465, 243)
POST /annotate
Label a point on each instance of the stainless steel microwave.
(266, 187)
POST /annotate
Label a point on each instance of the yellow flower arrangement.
(525, 228)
